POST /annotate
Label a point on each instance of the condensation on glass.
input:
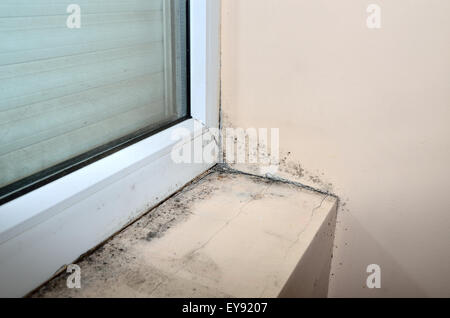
(69, 94)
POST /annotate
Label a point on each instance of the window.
(70, 96)
(56, 222)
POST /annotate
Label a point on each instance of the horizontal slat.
(153, 51)
(27, 8)
(15, 44)
(79, 110)
(88, 20)
(117, 41)
(79, 74)
(53, 151)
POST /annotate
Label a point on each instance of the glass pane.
(76, 81)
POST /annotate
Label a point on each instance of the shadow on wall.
(401, 284)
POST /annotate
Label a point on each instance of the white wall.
(367, 111)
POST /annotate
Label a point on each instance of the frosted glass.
(67, 91)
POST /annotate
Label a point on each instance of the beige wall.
(366, 113)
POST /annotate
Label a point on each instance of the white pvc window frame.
(50, 227)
